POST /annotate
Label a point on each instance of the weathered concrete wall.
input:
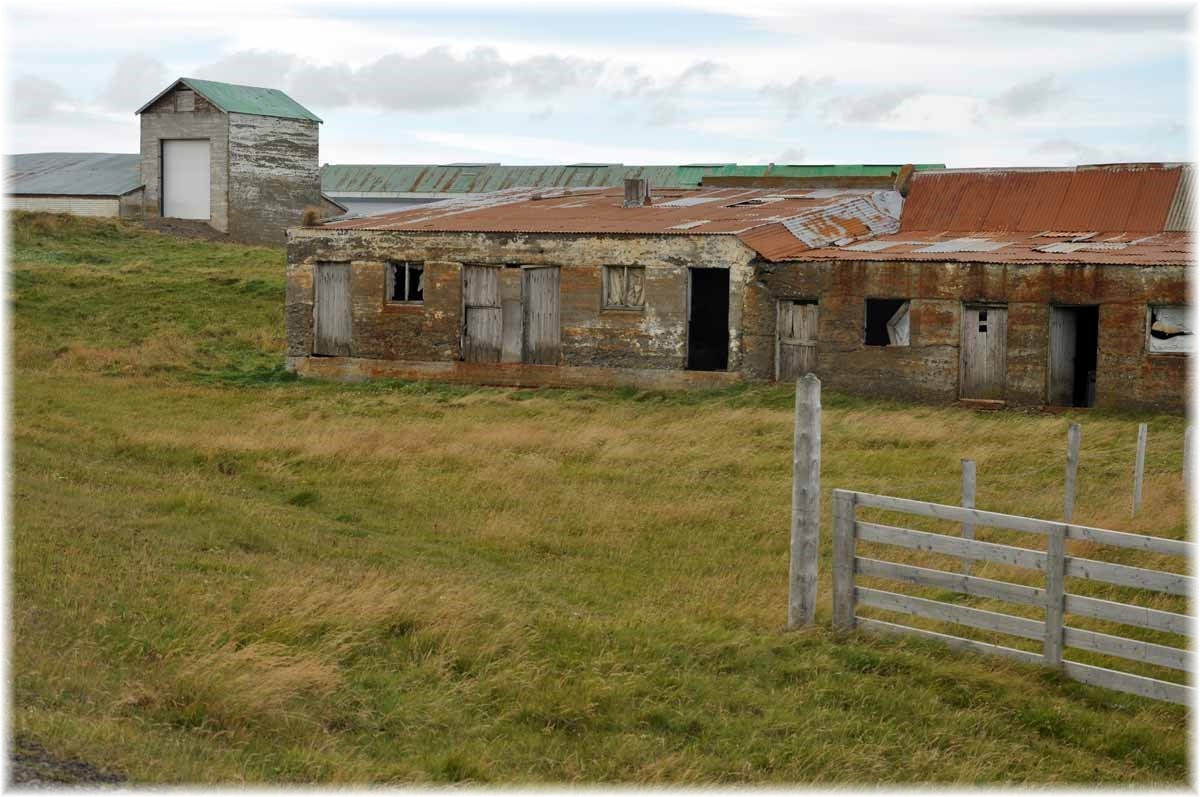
(273, 175)
(416, 337)
(132, 204)
(651, 339)
(928, 369)
(161, 121)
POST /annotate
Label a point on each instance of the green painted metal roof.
(253, 100)
(479, 178)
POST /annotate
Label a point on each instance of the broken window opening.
(1170, 330)
(406, 283)
(625, 287)
(886, 322)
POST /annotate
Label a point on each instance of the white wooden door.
(797, 339)
(984, 352)
(332, 332)
(542, 333)
(482, 314)
(186, 182)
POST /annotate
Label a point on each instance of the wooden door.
(1064, 331)
(331, 310)
(542, 334)
(482, 315)
(984, 352)
(797, 339)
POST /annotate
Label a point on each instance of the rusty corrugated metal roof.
(1131, 197)
(951, 246)
(1179, 217)
(774, 223)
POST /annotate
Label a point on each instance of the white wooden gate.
(1052, 631)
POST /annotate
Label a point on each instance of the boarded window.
(886, 322)
(185, 101)
(1170, 330)
(625, 287)
(406, 282)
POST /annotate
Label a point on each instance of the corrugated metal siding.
(76, 206)
(1179, 217)
(480, 178)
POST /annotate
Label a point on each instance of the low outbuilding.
(1007, 287)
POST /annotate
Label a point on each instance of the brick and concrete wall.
(648, 348)
(650, 339)
(928, 369)
(161, 121)
(274, 174)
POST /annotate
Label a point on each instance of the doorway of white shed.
(186, 181)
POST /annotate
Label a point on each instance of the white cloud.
(36, 99)
(1030, 97)
(135, 80)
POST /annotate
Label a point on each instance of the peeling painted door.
(482, 315)
(331, 310)
(797, 338)
(984, 352)
(542, 333)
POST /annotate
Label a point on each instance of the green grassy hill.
(225, 574)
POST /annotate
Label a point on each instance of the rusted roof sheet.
(773, 223)
(1131, 197)
(1112, 248)
(1179, 217)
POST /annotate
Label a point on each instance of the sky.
(629, 82)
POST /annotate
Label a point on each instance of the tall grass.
(221, 575)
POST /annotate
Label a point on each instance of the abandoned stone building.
(1017, 287)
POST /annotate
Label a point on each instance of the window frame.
(604, 282)
(867, 300)
(390, 283)
(1150, 308)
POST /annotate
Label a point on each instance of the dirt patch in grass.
(186, 228)
(32, 766)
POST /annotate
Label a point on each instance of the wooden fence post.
(806, 503)
(1072, 470)
(843, 560)
(1187, 457)
(968, 502)
(1139, 468)
(1056, 572)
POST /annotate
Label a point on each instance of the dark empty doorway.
(1074, 339)
(708, 320)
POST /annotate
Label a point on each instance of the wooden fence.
(1056, 565)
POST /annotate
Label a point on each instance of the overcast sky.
(628, 82)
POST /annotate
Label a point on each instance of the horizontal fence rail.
(1055, 566)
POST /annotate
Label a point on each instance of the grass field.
(221, 573)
